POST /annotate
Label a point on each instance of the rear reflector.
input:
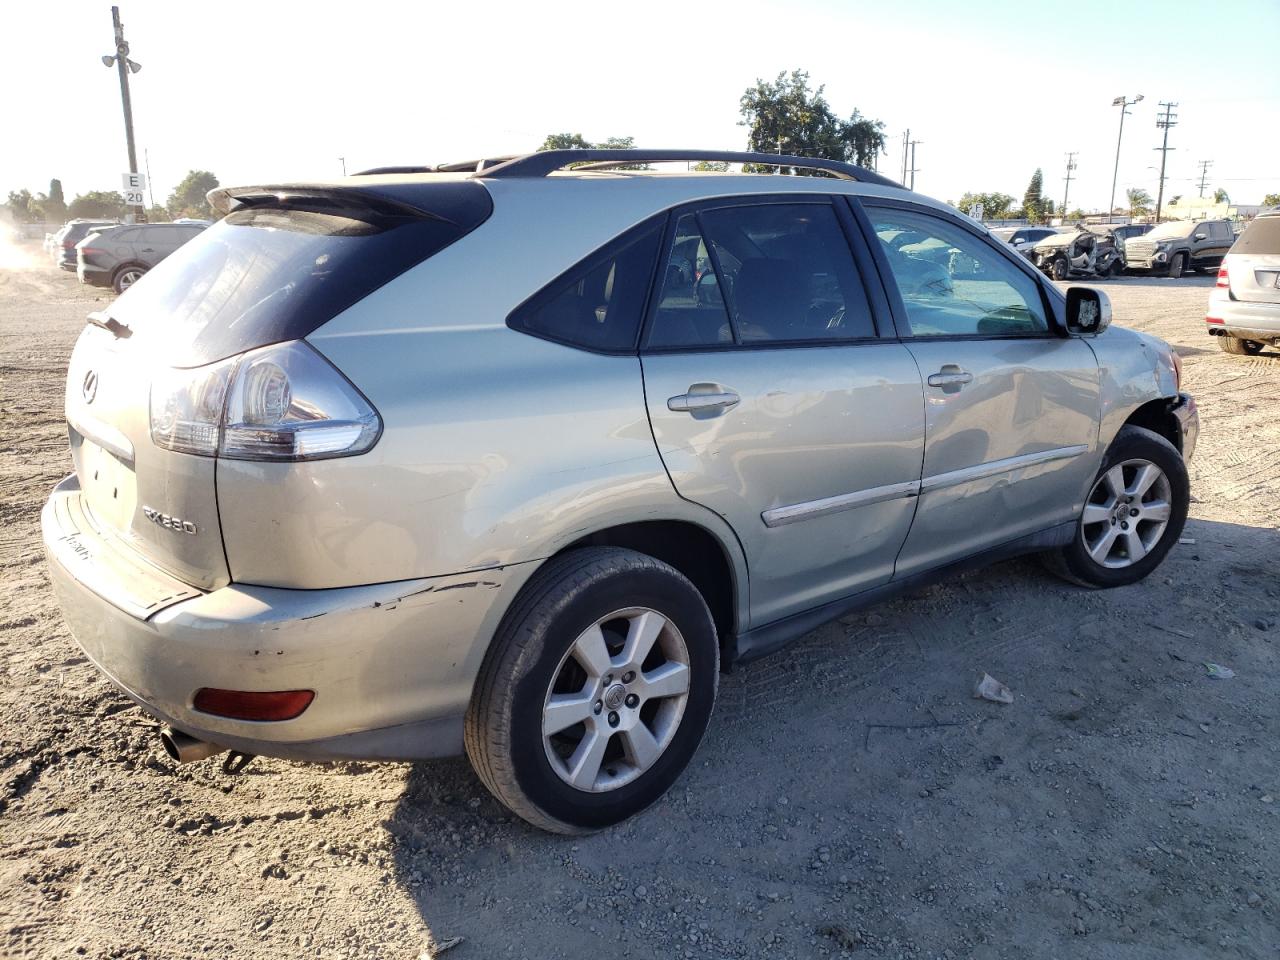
(1223, 281)
(1213, 320)
(252, 705)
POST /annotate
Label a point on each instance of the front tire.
(1241, 348)
(1133, 515)
(1058, 270)
(596, 691)
(1176, 265)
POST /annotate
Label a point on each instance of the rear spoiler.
(458, 202)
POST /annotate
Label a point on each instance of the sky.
(276, 90)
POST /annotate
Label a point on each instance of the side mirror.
(1088, 311)
(1201, 236)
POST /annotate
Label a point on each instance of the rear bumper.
(1240, 318)
(98, 276)
(392, 665)
(1188, 416)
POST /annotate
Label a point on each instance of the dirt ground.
(850, 799)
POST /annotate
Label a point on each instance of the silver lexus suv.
(514, 457)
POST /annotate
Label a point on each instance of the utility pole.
(125, 66)
(1124, 103)
(1204, 173)
(1164, 121)
(906, 140)
(1071, 165)
(343, 161)
(914, 168)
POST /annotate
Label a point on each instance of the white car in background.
(1244, 308)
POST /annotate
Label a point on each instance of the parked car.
(1078, 252)
(64, 250)
(1023, 239)
(342, 489)
(120, 257)
(1244, 307)
(1121, 232)
(1180, 245)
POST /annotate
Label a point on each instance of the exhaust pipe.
(186, 749)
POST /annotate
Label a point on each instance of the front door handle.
(950, 378)
(705, 403)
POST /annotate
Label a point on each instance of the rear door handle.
(708, 403)
(950, 378)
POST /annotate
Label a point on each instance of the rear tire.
(1241, 348)
(629, 739)
(1132, 517)
(1058, 270)
(1176, 265)
(127, 277)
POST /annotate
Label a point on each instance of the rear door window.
(760, 273)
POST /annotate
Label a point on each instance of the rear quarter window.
(598, 303)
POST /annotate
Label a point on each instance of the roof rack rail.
(548, 161)
(463, 166)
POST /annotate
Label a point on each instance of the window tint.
(123, 234)
(691, 310)
(952, 282)
(787, 273)
(1260, 237)
(598, 303)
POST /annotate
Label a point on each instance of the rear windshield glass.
(1260, 237)
(265, 275)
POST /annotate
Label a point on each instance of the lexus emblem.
(89, 388)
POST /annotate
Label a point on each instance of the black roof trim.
(548, 161)
(461, 166)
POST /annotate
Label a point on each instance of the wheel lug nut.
(1133, 513)
(628, 676)
(1124, 526)
(613, 718)
(599, 705)
(608, 679)
(1113, 521)
(632, 700)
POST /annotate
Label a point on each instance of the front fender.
(1133, 369)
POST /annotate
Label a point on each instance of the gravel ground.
(850, 799)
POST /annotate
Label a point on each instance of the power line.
(1164, 122)
(1204, 173)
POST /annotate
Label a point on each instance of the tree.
(97, 204)
(1032, 200)
(1139, 201)
(711, 166)
(564, 141)
(157, 214)
(188, 197)
(22, 206)
(786, 116)
(1174, 199)
(1220, 196)
(54, 206)
(994, 205)
(1271, 200)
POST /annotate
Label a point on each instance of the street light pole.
(125, 66)
(1124, 104)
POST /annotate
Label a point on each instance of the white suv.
(1244, 308)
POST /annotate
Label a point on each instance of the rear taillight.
(1223, 280)
(88, 250)
(252, 705)
(68, 245)
(1213, 320)
(283, 402)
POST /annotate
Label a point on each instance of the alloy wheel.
(1126, 514)
(616, 700)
